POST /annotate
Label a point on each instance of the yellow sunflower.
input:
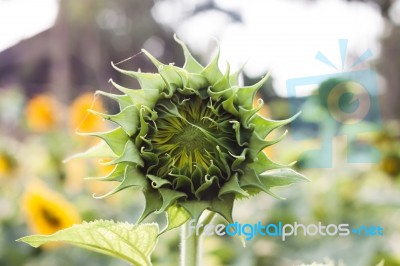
(391, 164)
(41, 113)
(81, 119)
(101, 168)
(264, 111)
(7, 164)
(47, 211)
(74, 171)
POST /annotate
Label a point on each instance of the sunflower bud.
(190, 137)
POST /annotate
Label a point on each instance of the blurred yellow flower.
(74, 170)
(7, 164)
(102, 167)
(391, 164)
(42, 113)
(264, 111)
(81, 119)
(102, 188)
(47, 211)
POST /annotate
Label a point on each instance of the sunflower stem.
(190, 246)
(191, 241)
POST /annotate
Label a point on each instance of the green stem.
(191, 242)
(190, 247)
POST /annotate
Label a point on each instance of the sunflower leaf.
(132, 243)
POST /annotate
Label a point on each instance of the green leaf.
(281, 177)
(133, 243)
(176, 216)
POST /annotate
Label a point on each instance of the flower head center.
(192, 137)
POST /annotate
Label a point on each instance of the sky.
(281, 36)
(21, 19)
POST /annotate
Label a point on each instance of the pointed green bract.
(101, 150)
(127, 119)
(281, 177)
(191, 64)
(176, 216)
(191, 139)
(123, 100)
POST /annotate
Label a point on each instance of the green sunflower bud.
(191, 138)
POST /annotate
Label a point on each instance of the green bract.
(191, 138)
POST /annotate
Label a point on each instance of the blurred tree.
(75, 54)
(389, 67)
(384, 5)
(389, 61)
